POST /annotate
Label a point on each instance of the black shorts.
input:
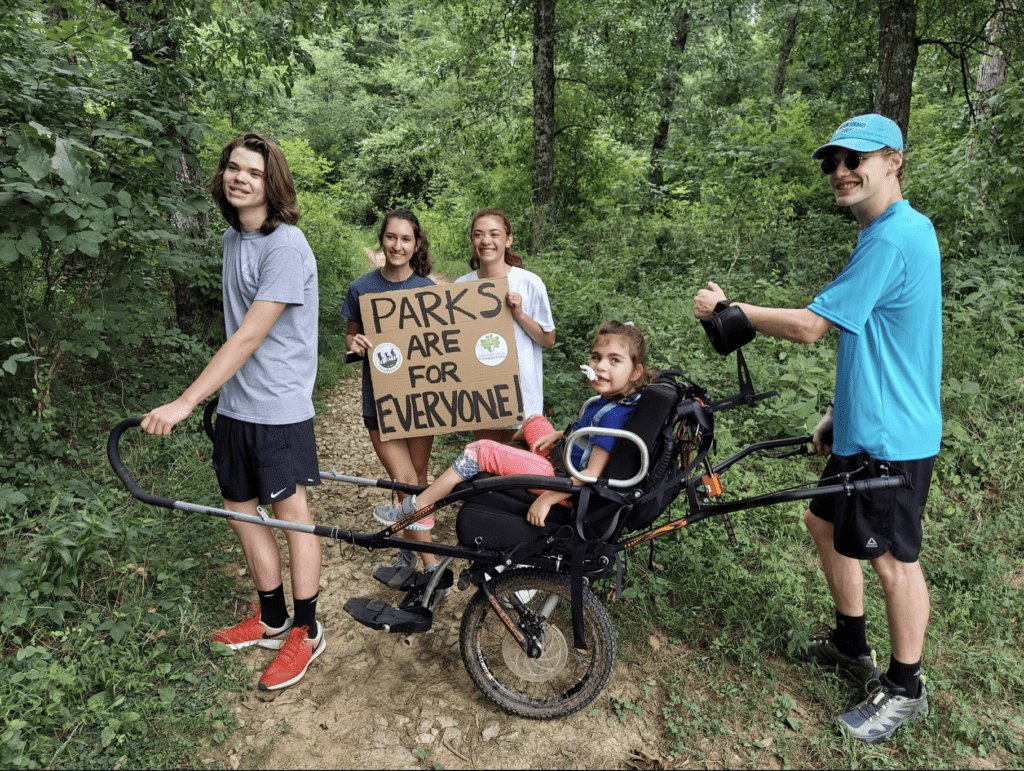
(253, 460)
(867, 525)
(371, 423)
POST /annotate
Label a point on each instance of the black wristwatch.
(721, 306)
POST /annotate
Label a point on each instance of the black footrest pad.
(397, 578)
(379, 615)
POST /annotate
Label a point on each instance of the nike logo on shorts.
(274, 495)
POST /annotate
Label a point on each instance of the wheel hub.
(554, 655)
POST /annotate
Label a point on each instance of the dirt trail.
(378, 700)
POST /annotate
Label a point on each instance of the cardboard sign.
(443, 358)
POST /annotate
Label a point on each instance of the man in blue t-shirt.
(886, 416)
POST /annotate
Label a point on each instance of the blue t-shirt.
(616, 417)
(887, 303)
(374, 283)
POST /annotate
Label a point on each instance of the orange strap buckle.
(712, 485)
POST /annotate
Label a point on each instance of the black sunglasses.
(851, 161)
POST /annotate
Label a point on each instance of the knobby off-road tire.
(564, 679)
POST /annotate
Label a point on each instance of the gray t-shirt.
(374, 283)
(275, 386)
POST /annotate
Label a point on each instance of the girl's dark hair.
(277, 184)
(420, 263)
(637, 347)
(511, 258)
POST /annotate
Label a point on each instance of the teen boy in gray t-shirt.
(264, 450)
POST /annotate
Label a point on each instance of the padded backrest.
(655, 408)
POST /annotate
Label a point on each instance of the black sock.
(273, 611)
(850, 636)
(305, 614)
(905, 676)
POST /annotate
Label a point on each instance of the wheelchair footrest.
(379, 615)
(397, 578)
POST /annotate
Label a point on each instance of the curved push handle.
(114, 456)
(208, 412)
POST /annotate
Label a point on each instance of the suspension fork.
(528, 642)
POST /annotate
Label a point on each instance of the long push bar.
(384, 539)
(387, 538)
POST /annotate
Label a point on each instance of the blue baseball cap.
(864, 134)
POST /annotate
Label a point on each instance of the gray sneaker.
(407, 559)
(822, 651)
(390, 513)
(886, 709)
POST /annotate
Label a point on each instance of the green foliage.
(112, 113)
(100, 620)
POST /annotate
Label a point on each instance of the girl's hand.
(543, 445)
(358, 344)
(514, 301)
(538, 513)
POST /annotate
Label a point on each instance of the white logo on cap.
(850, 125)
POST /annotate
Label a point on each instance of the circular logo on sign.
(491, 349)
(387, 358)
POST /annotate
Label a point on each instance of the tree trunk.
(897, 59)
(994, 64)
(669, 82)
(784, 52)
(544, 214)
(195, 316)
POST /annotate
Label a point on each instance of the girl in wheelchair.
(618, 361)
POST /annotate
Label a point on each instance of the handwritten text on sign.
(443, 358)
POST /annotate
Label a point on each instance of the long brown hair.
(277, 183)
(420, 261)
(511, 258)
(637, 345)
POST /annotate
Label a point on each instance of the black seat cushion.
(497, 521)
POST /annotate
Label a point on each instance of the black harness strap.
(579, 551)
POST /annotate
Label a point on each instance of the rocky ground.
(379, 700)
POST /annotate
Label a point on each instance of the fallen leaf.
(641, 760)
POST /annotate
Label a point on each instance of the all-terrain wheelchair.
(534, 637)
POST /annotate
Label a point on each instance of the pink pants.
(500, 459)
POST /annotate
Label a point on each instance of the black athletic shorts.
(371, 423)
(253, 460)
(867, 525)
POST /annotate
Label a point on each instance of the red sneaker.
(252, 631)
(290, 665)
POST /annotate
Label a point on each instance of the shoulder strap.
(623, 401)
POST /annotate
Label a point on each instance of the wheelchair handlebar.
(114, 456)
